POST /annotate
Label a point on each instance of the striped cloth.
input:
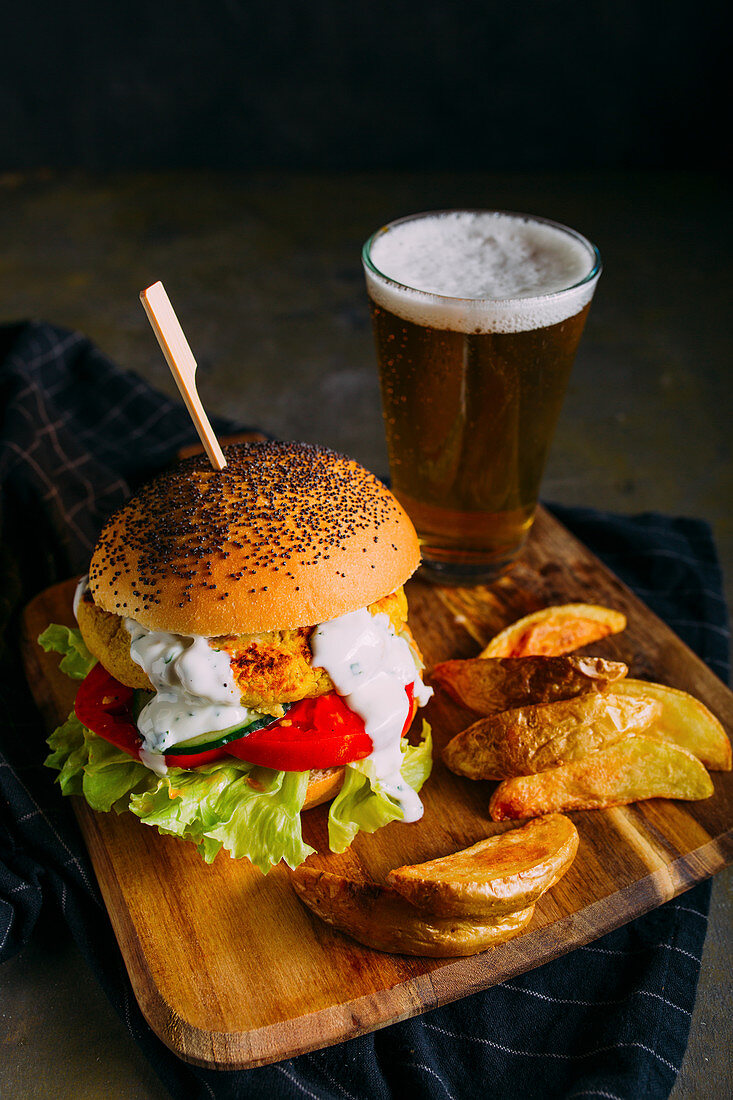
(609, 1020)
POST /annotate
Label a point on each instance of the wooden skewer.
(180, 359)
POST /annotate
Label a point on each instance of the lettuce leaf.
(247, 810)
(250, 811)
(77, 661)
(362, 804)
(68, 755)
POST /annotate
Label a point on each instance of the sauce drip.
(80, 591)
(195, 690)
(370, 666)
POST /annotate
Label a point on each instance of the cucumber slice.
(216, 738)
(203, 742)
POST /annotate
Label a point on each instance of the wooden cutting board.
(231, 971)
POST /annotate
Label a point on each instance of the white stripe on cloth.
(723, 631)
(595, 1092)
(49, 354)
(707, 592)
(639, 950)
(551, 1054)
(52, 492)
(421, 1065)
(291, 1077)
(324, 1072)
(72, 859)
(592, 1004)
(686, 909)
(7, 905)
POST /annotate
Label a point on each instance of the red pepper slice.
(315, 733)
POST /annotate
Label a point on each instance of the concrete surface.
(264, 272)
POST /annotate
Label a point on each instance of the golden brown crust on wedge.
(489, 685)
(381, 918)
(686, 722)
(555, 630)
(631, 770)
(530, 739)
(498, 875)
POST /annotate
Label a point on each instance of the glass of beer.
(477, 317)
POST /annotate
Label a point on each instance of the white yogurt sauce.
(370, 666)
(79, 591)
(155, 761)
(196, 692)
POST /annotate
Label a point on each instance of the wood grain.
(231, 971)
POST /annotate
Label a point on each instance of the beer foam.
(480, 272)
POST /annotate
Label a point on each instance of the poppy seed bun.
(286, 535)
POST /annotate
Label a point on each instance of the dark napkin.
(609, 1020)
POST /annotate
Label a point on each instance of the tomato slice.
(316, 733)
(104, 706)
(177, 760)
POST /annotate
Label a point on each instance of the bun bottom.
(323, 785)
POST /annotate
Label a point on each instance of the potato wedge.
(496, 876)
(631, 770)
(379, 917)
(531, 739)
(489, 685)
(555, 630)
(684, 721)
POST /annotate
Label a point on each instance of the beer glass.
(477, 316)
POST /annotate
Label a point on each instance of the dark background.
(553, 84)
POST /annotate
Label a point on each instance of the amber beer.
(477, 317)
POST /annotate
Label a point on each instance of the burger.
(243, 642)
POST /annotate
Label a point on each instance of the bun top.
(286, 535)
